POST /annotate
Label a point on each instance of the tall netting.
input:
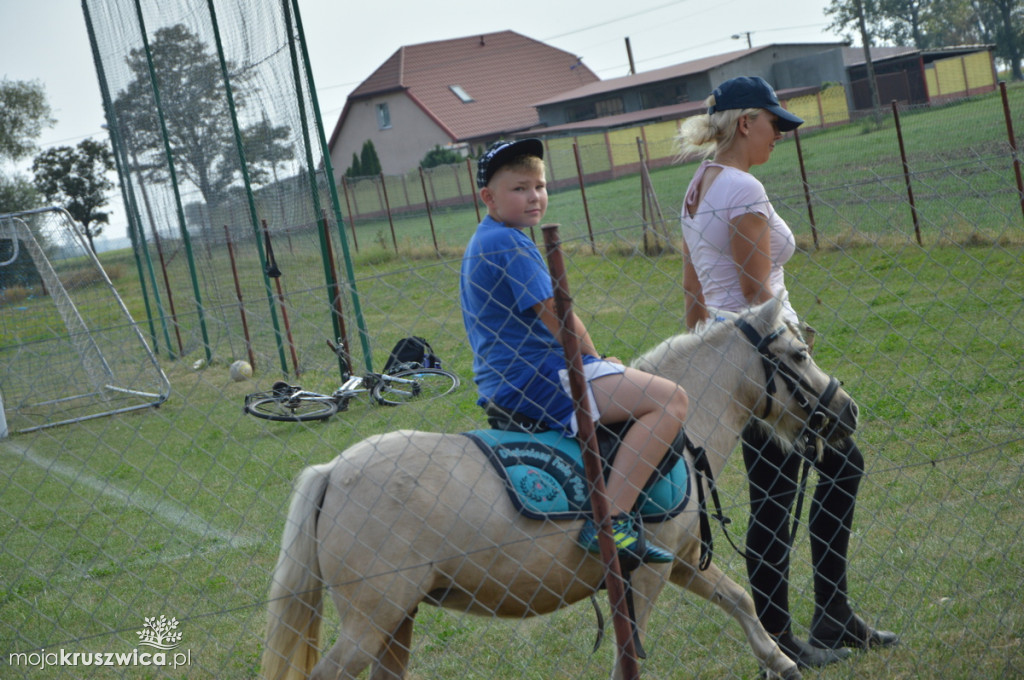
(70, 348)
(220, 148)
(145, 544)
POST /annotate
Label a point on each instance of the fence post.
(591, 458)
(906, 171)
(807, 187)
(275, 273)
(583, 193)
(1013, 143)
(430, 217)
(387, 208)
(472, 187)
(238, 297)
(351, 215)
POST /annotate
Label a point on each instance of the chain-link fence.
(142, 544)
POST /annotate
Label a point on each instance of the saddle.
(544, 473)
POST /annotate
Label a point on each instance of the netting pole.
(614, 582)
(253, 216)
(339, 311)
(134, 219)
(327, 169)
(180, 212)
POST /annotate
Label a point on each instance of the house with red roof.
(460, 94)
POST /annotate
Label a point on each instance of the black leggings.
(772, 473)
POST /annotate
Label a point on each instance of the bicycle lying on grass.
(404, 384)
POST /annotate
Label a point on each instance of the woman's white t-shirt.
(707, 233)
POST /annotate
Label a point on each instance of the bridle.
(819, 418)
(817, 425)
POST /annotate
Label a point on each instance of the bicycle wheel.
(414, 384)
(290, 409)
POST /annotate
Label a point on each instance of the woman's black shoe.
(827, 632)
(806, 655)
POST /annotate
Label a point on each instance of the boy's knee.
(679, 403)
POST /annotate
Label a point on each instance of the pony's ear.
(767, 315)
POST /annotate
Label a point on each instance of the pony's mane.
(682, 345)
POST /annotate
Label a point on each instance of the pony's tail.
(294, 612)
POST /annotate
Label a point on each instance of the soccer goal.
(69, 348)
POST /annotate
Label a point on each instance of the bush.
(439, 156)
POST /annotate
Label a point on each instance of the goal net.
(69, 348)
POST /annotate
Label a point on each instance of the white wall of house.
(400, 146)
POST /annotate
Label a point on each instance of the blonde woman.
(735, 247)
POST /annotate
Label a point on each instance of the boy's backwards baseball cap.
(501, 153)
(748, 92)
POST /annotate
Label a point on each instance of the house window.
(609, 107)
(460, 93)
(579, 112)
(383, 116)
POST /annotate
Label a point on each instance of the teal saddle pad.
(545, 478)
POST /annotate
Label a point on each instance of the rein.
(817, 421)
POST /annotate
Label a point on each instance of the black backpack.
(412, 352)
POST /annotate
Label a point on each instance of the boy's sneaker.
(628, 541)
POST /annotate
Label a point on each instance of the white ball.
(240, 370)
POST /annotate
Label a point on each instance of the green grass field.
(178, 511)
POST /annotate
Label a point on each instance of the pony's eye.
(802, 356)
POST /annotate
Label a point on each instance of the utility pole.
(737, 36)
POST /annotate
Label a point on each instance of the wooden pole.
(614, 581)
(238, 297)
(906, 171)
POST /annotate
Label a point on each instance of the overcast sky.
(46, 40)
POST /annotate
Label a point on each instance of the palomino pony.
(410, 517)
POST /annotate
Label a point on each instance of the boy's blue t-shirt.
(516, 359)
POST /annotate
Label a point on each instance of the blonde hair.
(704, 135)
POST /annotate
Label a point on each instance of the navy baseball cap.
(748, 92)
(501, 152)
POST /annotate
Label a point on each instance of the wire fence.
(142, 544)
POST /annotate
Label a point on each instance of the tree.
(937, 23)
(17, 194)
(1005, 18)
(24, 114)
(860, 13)
(354, 170)
(195, 109)
(77, 178)
(369, 164)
